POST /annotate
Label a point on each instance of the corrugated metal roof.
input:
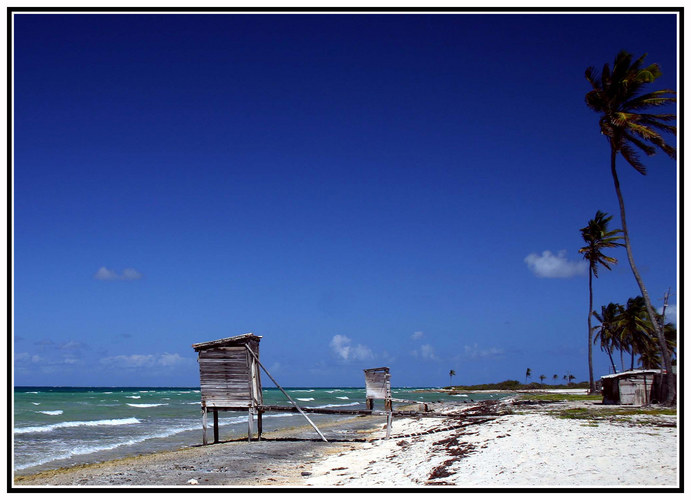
(630, 373)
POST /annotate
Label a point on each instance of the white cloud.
(165, 360)
(473, 351)
(129, 274)
(340, 345)
(549, 265)
(426, 351)
(417, 335)
(670, 313)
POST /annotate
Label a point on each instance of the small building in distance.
(377, 386)
(634, 387)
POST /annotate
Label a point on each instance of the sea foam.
(87, 423)
(85, 450)
(336, 405)
(51, 412)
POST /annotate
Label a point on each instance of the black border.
(360, 10)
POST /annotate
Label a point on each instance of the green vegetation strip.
(541, 396)
(622, 415)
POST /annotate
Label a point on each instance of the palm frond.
(651, 121)
(632, 158)
(646, 148)
(642, 131)
(649, 100)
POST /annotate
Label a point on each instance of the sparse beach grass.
(636, 416)
(543, 396)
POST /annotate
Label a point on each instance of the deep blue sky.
(360, 190)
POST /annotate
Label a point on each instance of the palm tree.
(527, 375)
(555, 377)
(597, 237)
(451, 374)
(616, 96)
(649, 357)
(608, 331)
(542, 379)
(633, 325)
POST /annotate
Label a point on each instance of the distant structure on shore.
(377, 386)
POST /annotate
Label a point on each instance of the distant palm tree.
(608, 331)
(649, 357)
(633, 327)
(616, 97)
(597, 237)
(555, 377)
(527, 375)
(451, 374)
(542, 379)
(571, 377)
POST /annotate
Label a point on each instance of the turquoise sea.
(64, 426)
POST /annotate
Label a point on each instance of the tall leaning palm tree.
(597, 237)
(617, 97)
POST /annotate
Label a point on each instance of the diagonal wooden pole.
(286, 394)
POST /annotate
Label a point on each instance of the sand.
(486, 445)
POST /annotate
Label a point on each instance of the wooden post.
(286, 394)
(204, 412)
(369, 403)
(389, 421)
(259, 425)
(250, 424)
(215, 426)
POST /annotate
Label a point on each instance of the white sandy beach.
(512, 446)
(533, 449)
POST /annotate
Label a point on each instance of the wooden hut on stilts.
(230, 380)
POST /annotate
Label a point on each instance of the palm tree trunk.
(621, 358)
(671, 393)
(590, 331)
(611, 360)
(631, 360)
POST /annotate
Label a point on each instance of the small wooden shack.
(634, 387)
(230, 379)
(377, 386)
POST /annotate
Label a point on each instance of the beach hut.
(230, 379)
(377, 386)
(634, 387)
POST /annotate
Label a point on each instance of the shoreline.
(492, 444)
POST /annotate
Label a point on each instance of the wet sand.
(279, 459)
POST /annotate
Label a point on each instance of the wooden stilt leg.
(215, 426)
(389, 421)
(204, 412)
(259, 425)
(250, 425)
(369, 403)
